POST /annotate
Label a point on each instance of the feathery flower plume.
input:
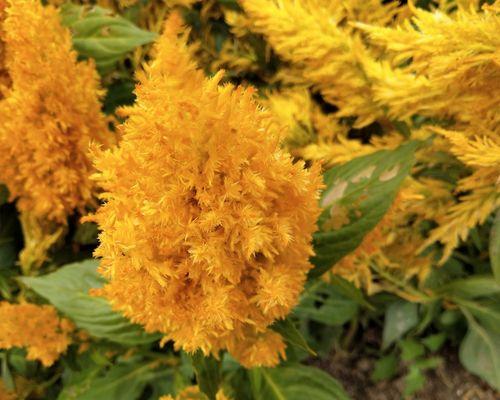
(207, 222)
(48, 117)
(480, 190)
(325, 51)
(194, 393)
(37, 328)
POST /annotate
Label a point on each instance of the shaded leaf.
(122, 381)
(488, 313)
(400, 317)
(294, 382)
(480, 353)
(385, 368)
(472, 287)
(414, 381)
(411, 349)
(291, 334)
(4, 194)
(325, 304)
(495, 247)
(434, 342)
(208, 373)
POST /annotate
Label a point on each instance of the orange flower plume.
(38, 328)
(206, 230)
(48, 117)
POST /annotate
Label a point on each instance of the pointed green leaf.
(400, 317)
(291, 334)
(68, 290)
(357, 196)
(100, 35)
(480, 353)
(208, 373)
(294, 382)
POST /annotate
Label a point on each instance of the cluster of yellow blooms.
(382, 63)
(48, 116)
(6, 394)
(206, 219)
(38, 328)
(194, 393)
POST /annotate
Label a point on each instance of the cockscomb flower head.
(50, 114)
(206, 230)
(37, 328)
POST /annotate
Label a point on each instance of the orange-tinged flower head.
(38, 328)
(194, 393)
(206, 230)
(48, 116)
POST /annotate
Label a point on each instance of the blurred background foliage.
(400, 104)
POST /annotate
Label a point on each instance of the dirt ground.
(450, 381)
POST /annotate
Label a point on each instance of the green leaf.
(291, 334)
(294, 382)
(86, 233)
(123, 381)
(488, 312)
(68, 290)
(119, 93)
(428, 363)
(350, 291)
(472, 287)
(480, 353)
(400, 317)
(495, 247)
(100, 35)
(208, 373)
(9, 230)
(411, 349)
(357, 196)
(7, 378)
(434, 342)
(4, 194)
(325, 304)
(414, 381)
(385, 368)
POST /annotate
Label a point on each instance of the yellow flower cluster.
(207, 223)
(377, 63)
(194, 393)
(480, 190)
(37, 328)
(48, 117)
(466, 91)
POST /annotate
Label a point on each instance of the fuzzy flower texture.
(206, 230)
(49, 113)
(38, 328)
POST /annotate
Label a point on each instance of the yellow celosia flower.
(194, 393)
(477, 151)
(207, 222)
(315, 35)
(482, 189)
(48, 118)
(37, 328)
(469, 90)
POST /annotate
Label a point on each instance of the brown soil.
(450, 381)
